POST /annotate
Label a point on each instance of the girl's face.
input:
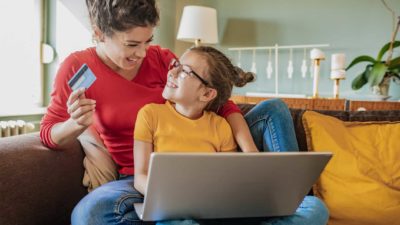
(124, 51)
(187, 79)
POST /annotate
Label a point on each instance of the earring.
(94, 39)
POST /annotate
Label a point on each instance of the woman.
(130, 73)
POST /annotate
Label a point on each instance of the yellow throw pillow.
(361, 183)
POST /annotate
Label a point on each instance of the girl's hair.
(120, 15)
(222, 75)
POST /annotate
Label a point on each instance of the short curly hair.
(120, 15)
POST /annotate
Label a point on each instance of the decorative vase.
(383, 88)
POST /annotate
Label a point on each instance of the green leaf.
(363, 58)
(360, 80)
(394, 63)
(385, 48)
(377, 73)
(395, 70)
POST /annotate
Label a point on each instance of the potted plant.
(378, 72)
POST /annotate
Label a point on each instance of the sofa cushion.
(297, 114)
(361, 183)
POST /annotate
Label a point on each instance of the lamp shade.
(198, 23)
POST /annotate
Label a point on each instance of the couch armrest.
(38, 185)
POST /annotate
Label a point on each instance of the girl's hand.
(80, 108)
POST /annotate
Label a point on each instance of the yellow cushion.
(361, 183)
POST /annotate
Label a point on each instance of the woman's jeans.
(272, 129)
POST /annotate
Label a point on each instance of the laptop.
(228, 185)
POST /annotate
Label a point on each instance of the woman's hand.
(81, 111)
(80, 108)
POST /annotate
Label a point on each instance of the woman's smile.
(132, 61)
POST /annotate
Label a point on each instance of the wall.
(164, 34)
(357, 27)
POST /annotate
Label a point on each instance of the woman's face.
(125, 50)
(183, 86)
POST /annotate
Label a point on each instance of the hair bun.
(243, 77)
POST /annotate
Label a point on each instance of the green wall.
(353, 27)
(165, 33)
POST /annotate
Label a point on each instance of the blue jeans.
(272, 129)
(111, 203)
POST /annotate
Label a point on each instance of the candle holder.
(336, 82)
(337, 72)
(316, 78)
(316, 55)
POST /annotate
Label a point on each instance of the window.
(73, 18)
(20, 77)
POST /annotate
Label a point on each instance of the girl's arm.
(241, 132)
(142, 151)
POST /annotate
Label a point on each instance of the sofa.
(41, 186)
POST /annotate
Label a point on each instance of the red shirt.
(117, 100)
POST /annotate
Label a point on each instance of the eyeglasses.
(184, 71)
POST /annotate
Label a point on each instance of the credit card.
(83, 78)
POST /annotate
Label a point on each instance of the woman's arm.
(142, 151)
(69, 112)
(241, 132)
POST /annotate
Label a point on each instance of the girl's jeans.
(272, 129)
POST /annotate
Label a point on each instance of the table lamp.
(199, 25)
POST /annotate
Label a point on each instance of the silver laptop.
(228, 185)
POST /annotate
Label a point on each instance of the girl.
(198, 84)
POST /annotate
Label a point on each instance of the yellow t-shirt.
(168, 131)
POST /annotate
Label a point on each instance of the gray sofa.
(41, 186)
